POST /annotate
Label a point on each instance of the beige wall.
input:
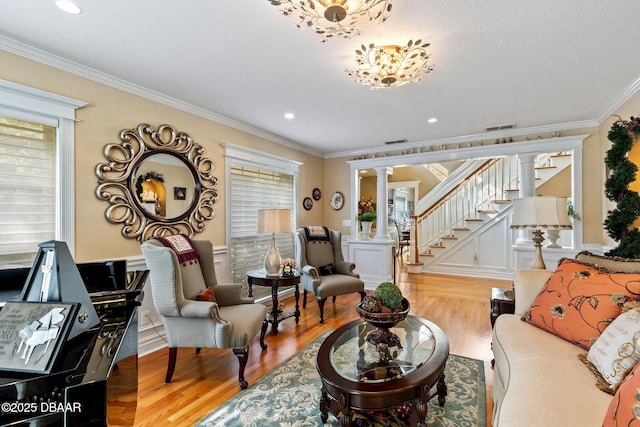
(111, 110)
(99, 123)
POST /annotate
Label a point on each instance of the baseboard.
(151, 339)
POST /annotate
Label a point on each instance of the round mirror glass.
(164, 186)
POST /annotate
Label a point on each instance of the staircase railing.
(476, 194)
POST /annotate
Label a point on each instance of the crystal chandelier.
(392, 65)
(331, 18)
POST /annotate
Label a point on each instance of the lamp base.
(538, 262)
(272, 260)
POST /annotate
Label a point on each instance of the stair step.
(487, 211)
(436, 247)
(561, 155)
(423, 254)
(512, 189)
(474, 219)
(449, 238)
(501, 201)
(545, 167)
(461, 229)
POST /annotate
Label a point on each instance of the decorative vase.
(366, 230)
(384, 321)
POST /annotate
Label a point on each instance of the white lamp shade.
(537, 213)
(274, 221)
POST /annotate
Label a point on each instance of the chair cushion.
(338, 284)
(579, 301)
(246, 321)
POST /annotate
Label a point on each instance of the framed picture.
(179, 193)
(33, 333)
(307, 203)
(316, 194)
(337, 200)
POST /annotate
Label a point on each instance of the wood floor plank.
(203, 382)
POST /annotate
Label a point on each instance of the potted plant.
(366, 216)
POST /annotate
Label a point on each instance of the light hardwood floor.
(202, 382)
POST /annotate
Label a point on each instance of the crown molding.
(487, 136)
(617, 102)
(27, 51)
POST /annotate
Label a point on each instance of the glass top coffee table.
(358, 375)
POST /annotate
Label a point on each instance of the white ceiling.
(540, 63)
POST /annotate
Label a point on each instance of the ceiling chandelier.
(392, 65)
(331, 18)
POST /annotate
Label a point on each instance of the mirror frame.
(116, 182)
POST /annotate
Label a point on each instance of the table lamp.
(538, 213)
(273, 221)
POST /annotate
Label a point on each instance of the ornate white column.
(382, 214)
(527, 187)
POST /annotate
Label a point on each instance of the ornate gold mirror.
(157, 182)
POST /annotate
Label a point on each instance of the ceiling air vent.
(397, 141)
(500, 127)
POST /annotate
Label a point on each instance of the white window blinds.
(252, 188)
(27, 189)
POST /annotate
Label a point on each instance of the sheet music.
(46, 276)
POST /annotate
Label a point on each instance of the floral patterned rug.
(288, 396)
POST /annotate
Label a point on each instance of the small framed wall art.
(307, 203)
(337, 200)
(316, 194)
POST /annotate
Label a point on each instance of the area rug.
(288, 396)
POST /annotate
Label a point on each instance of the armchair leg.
(198, 350)
(263, 332)
(243, 355)
(304, 299)
(321, 302)
(173, 355)
(334, 299)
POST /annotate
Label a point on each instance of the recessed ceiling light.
(432, 120)
(288, 116)
(69, 7)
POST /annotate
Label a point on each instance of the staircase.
(464, 229)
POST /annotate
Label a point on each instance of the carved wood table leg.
(442, 390)
(324, 406)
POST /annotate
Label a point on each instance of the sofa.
(539, 378)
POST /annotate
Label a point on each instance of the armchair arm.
(200, 309)
(311, 271)
(528, 283)
(230, 294)
(344, 267)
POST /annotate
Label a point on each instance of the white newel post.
(382, 214)
(527, 187)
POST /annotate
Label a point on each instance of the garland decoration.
(622, 172)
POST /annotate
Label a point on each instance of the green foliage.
(367, 216)
(389, 294)
(622, 172)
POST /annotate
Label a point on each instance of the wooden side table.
(502, 301)
(260, 278)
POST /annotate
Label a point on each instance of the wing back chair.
(325, 273)
(194, 315)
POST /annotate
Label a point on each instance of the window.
(27, 189)
(36, 171)
(256, 181)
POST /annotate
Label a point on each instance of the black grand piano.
(92, 378)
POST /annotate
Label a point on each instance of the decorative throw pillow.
(327, 270)
(207, 295)
(624, 409)
(616, 351)
(579, 301)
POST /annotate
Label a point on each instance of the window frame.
(38, 106)
(242, 156)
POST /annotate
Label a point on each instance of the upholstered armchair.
(195, 316)
(325, 273)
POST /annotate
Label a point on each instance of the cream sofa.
(538, 379)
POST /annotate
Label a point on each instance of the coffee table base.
(343, 408)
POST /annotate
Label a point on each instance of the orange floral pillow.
(624, 409)
(579, 301)
(207, 295)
